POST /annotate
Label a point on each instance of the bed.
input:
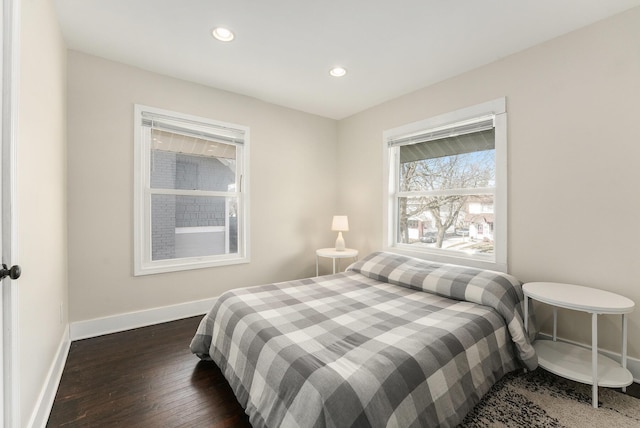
(392, 342)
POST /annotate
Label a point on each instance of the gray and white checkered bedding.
(379, 345)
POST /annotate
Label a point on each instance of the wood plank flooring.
(147, 377)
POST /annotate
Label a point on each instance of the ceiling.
(284, 49)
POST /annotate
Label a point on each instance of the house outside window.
(446, 179)
(191, 192)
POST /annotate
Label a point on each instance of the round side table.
(332, 253)
(572, 361)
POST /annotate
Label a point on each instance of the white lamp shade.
(340, 223)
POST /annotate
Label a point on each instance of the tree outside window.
(445, 215)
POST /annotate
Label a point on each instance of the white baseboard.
(633, 364)
(43, 406)
(127, 321)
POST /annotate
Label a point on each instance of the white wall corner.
(130, 320)
(44, 404)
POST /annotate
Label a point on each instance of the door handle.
(13, 273)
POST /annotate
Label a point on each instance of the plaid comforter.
(380, 345)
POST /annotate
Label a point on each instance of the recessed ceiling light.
(338, 71)
(223, 34)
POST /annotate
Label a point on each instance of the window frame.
(143, 264)
(495, 108)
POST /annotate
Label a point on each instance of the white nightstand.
(332, 253)
(572, 361)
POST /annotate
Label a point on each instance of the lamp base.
(340, 242)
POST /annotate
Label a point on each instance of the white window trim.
(498, 262)
(143, 265)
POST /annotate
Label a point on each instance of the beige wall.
(41, 205)
(574, 149)
(293, 187)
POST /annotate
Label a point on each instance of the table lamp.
(340, 224)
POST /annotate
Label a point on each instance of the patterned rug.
(541, 399)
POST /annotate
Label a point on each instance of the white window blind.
(193, 128)
(455, 139)
(452, 130)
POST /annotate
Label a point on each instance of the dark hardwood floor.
(147, 377)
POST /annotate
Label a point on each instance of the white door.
(9, 415)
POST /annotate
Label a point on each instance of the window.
(447, 192)
(191, 192)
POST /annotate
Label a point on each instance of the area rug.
(541, 399)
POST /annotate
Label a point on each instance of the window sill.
(177, 265)
(444, 257)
